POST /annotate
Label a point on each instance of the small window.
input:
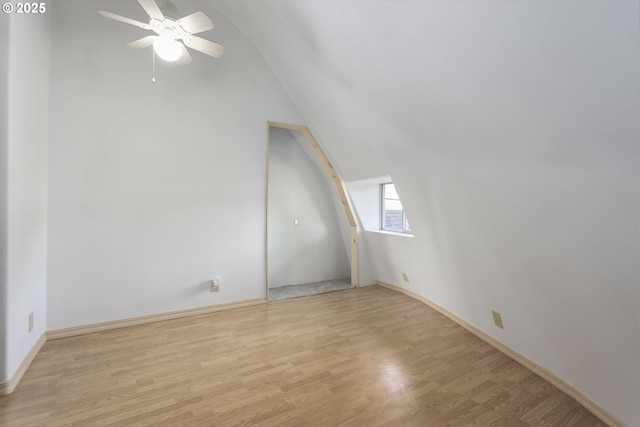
(393, 217)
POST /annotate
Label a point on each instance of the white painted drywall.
(510, 130)
(154, 189)
(313, 250)
(4, 161)
(26, 179)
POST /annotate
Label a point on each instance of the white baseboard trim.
(606, 417)
(133, 321)
(7, 387)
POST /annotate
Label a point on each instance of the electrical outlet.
(405, 277)
(215, 285)
(497, 319)
(30, 322)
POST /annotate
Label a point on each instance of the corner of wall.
(4, 89)
(8, 386)
(24, 113)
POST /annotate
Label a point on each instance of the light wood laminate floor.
(361, 357)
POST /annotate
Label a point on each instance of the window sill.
(392, 233)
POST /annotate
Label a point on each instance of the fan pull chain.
(153, 61)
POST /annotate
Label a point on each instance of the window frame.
(406, 229)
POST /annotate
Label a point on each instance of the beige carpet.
(306, 289)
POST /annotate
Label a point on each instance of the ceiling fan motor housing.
(168, 9)
(168, 27)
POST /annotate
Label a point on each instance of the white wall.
(510, 130)
(26, 177)
(154, 188)
(314, 250)
(4, 145)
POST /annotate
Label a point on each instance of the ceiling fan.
(172, 34)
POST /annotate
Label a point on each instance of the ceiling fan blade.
(125, 20)
(185, 58)
(196, 23)
(152, 9)
(143, 42)
(205, 46)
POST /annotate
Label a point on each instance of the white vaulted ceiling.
(449, 76)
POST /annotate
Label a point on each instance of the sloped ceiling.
(454, 77)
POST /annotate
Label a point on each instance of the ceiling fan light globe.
(167, 48)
